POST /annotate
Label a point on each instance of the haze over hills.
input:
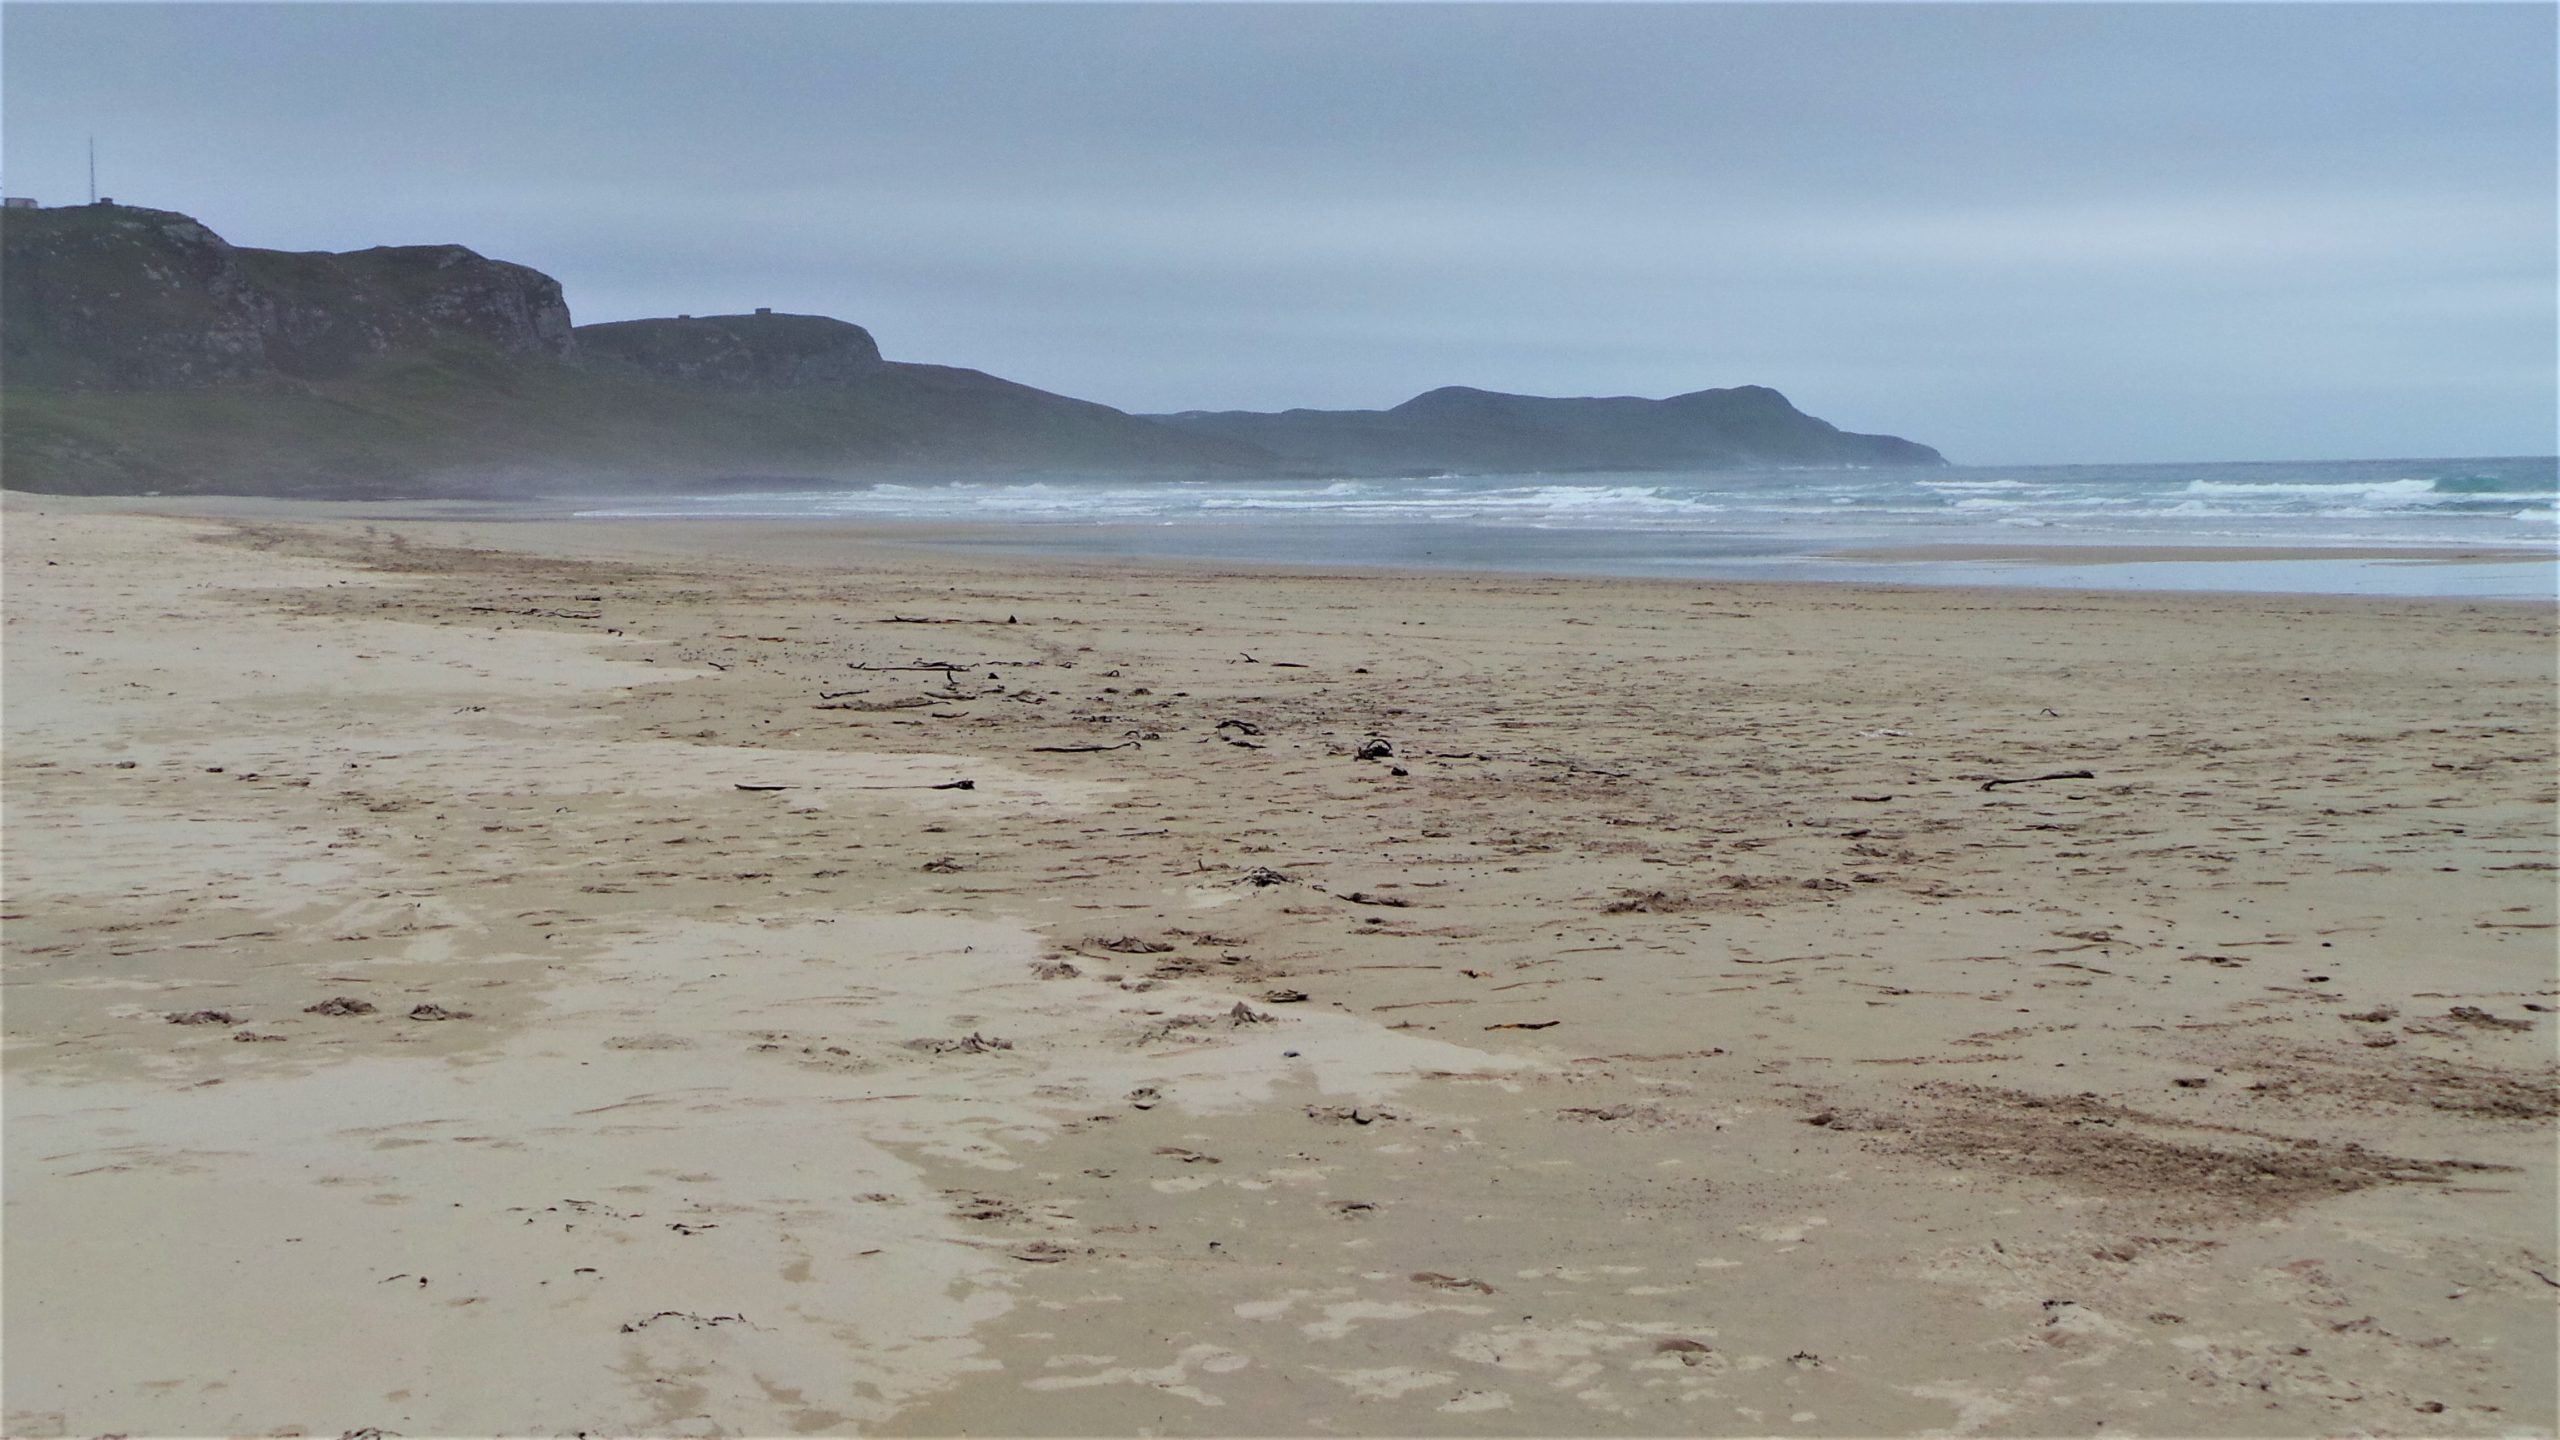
(1460, 429)
(142, 352)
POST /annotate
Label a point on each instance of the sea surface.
(1932, 525)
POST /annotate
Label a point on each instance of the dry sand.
(1672, 1035)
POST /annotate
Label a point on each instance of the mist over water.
(1768, 521)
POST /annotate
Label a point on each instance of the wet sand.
(2167, 554)
(1699, 1020)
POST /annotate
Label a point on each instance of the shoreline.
(2101, 568)
(1723, 1009)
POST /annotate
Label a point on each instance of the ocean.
(2381, 527)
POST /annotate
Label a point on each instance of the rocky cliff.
(115, 296)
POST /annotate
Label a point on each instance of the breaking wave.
(2361, 503)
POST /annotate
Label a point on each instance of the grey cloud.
(2018, 232)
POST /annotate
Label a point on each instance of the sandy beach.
(473, 978)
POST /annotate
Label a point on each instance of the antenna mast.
(93, 169)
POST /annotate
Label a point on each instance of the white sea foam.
(2414, 492)
(1673, 523)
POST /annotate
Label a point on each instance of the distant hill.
(908, 415)
(762, 351)
(1485, 431)
(140, 351)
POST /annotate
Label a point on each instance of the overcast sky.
(2021, 233)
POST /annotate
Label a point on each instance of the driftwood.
(1526, 1025)
(1081, 749)
(945, 785)
(2032, 779)
(751, 785)
(916, 704)
(943, 668)
(1571, 765)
